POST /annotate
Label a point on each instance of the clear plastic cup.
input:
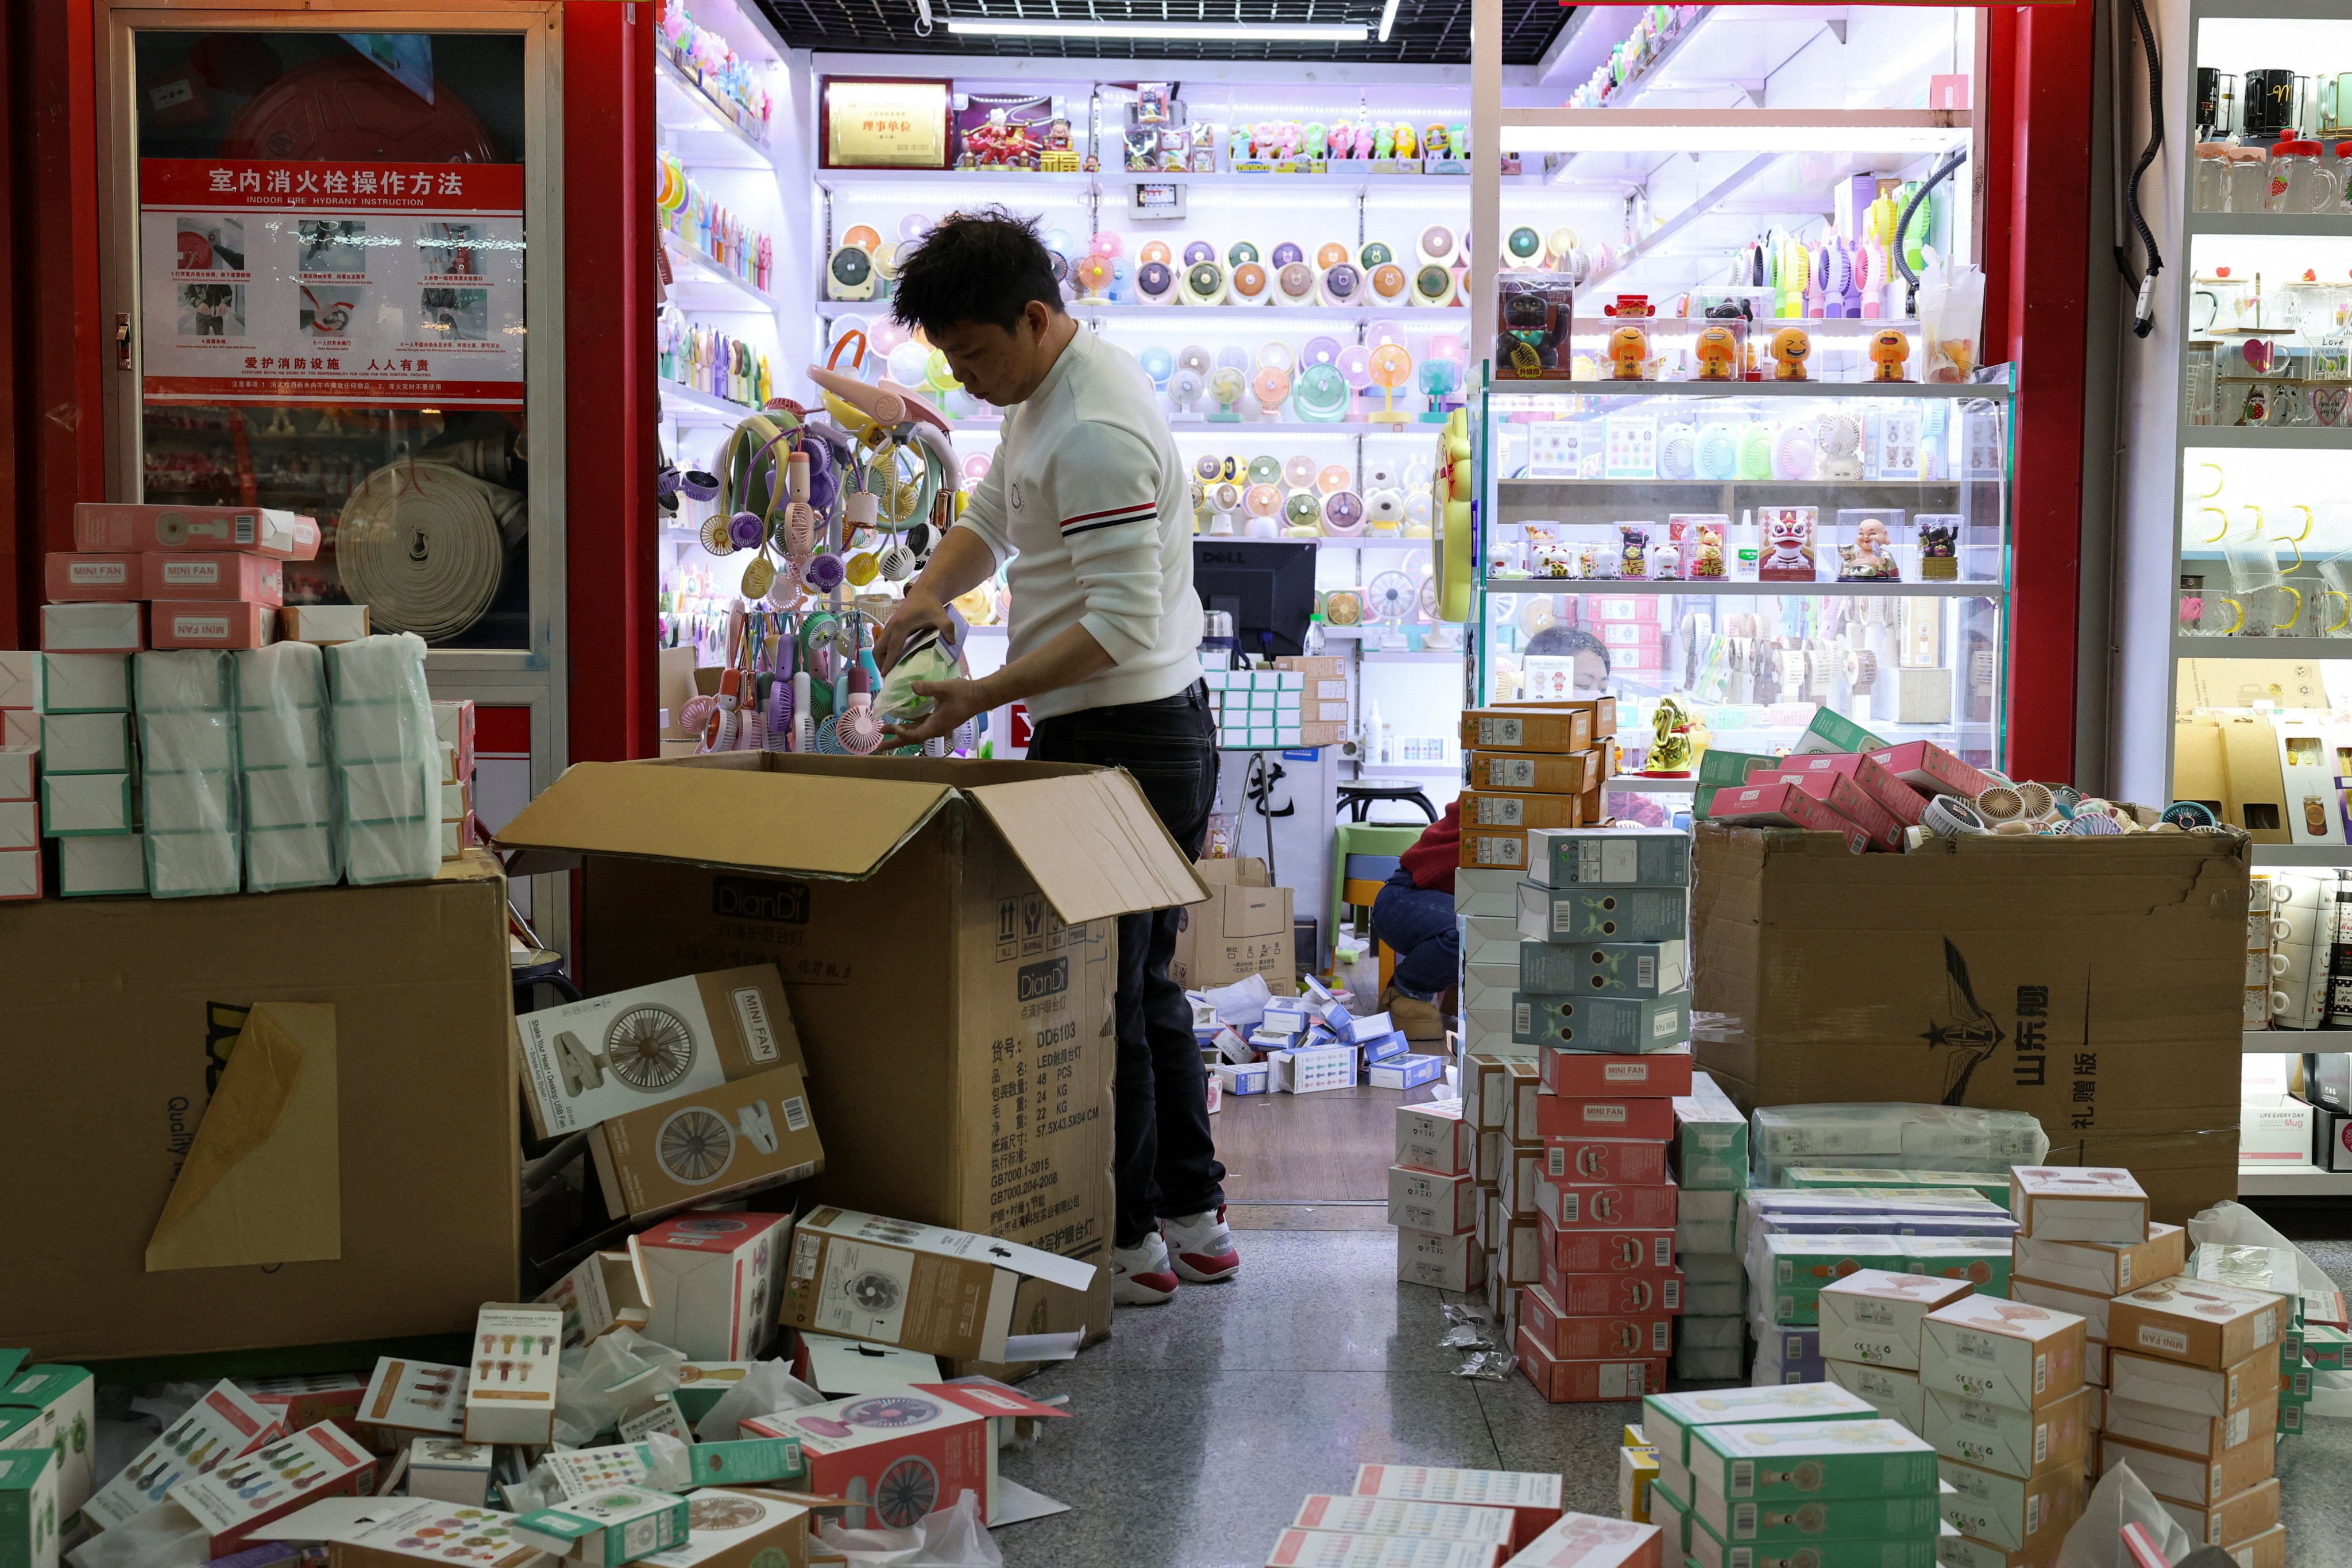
(2299, 182)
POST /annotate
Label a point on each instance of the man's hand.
(953, 701)
(917, 610)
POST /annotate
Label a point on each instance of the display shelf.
(1636, 783)
(2188, 647)
(1301, 428)
(1413, 655)
(691, 406)
(1994, 391)
(1510, 488)
(698, 279)
(2303, 853)
(1540, 129)
(1896, 590)
(682, 107)
(1327, 541)
(2282, 437)
(2293, 1182)
(2292, 1042)
(1004, 180)
(2271, 225)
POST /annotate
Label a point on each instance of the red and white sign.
(394, 285)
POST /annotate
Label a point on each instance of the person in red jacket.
(1414, 915)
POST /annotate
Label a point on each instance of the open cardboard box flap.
(1087, 835)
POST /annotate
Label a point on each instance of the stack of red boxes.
(172, 576)
(1599, 1323)
(1869, 797)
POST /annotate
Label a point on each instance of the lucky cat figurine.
(1939, 559)
(1707, 560)
(1633, 558)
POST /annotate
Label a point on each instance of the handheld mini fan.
(1438, 245)
(1198, 251)
(1263, 503)
(1294, 284)
(1440, 379)
(1302, 515)
(1343, 514)
(1391, 367)
(1155, 283)
(1523, 247)
(1154, 251)
(1355, 366)
(1205, 284)
(1264, 469)
(1249, 284)
(1241, 253)
(1158, 363)
(1375, 253)
(1331, 255)
(1320, 349)
(1333, 479)
(1389, 286)
(1270, 387)
(1185, 385)
(1298, 473)
(1342, 285)
(1320, 394)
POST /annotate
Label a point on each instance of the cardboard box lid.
(1087, 835)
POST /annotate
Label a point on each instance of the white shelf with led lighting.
(2292, 1182)
(1996, 392)
(1750, 130)
(711, 135)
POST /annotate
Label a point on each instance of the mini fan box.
(588, 1062)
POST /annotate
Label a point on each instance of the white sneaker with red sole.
(1201, 1247)
(1139, 1275)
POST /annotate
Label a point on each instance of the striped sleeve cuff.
(1144, 512)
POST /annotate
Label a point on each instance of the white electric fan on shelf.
(1390, 367)
(1390, 600)
(1439, 638)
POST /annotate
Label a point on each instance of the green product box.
(66, 1398)
(1717, 766)
(1801, 1264)
(2324, 1347)
(1711, 1551)
(1994, 1188)
(748, 1462)
(1669, 1420)
(1672, 1516)
(1789, 1525)
(702, 1384)
(1603, 914)
(606, 1529)
(1602, 968)
(1628, 1026)
(1710, 1147)
(1833, 732)
(28, 1509)
(1609, 856)
(1807, 1461)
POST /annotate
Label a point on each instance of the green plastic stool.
(1364, 838)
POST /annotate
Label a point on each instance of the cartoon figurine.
(1343, 139)
(1406, 147)
(1677, 738)
(1666, 559)
(1791, 346)
(1316, 142)
(1526, 342)
(1434, 144)
(1385, 143)
(1716, 349)
(1939, 560)
(1889, 349)
(1708, 561)
(1628, 347)
(1633, 559)
(1869, 558)
(1789, 545)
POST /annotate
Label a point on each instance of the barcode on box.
(245, 527)
(1564, 919)
(1571, 1207)
(1645, 972)
(1742, 1557)
(1661, 1337)
(1743, 1476)
(1523, 1017)
(1662, 1252)
(1672, 1298)
(1555, 1161)
(1743, 1521)
(796, 1116)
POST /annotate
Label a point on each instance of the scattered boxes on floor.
(1415, 1516)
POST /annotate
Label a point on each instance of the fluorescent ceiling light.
(1173, 32)
(1388, 19)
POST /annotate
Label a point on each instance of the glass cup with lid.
(2248, 180)
(2299, 182)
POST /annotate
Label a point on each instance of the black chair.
(1359, 795)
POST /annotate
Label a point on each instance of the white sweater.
(1088, 500)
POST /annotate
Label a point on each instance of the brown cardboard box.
(1244, 929)
(1914, 977)
(2198, 1322)
(1521, 809)
(2199, 771)
(718, 1142)
(945, 933)
(2250, 749)
(1528, 727)
(920, 1287)
(120, 1010)
(2237, 1517)
(1533, 773)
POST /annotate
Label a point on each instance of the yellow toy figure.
(1628, 347)
(1678, 737)
(1716, 349)
(1791, 346)
(1708, 561)
(1434, 144)
(1889, 349)
(1405, 145)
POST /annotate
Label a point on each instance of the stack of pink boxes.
(1599, 1320)
(172, 577)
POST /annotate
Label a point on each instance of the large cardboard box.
(2094, 984)
(945, 932)
(119, 1020)
(1244, 929)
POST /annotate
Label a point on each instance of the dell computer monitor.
(1267, 585)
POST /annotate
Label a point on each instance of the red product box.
(1923, 766)
(1605, 1160)
(1580, 1207)
(224, 622)
(1846, 797)
(271, 1483)
(1595, 1116)
(870, 1444)
(1603, 1251)
(1644, 1294)
(1570, 1338)
(1630, 634)
(70, 577)
(306, 1399)
(250, 529)
(1642, 607)
(1590, 1074)
(1785, 806)
(188, 574)
(1906, 804)
(1566, 1382)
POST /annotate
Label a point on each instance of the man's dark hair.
(983, 266)
(1565, 642)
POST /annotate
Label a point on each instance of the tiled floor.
(1196, 1429)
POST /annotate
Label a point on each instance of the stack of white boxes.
(453, 728)
(1256, 709)
(283, 768)
(20, 758)
(387, 763)
(1432, 1196)
(1709, 1160)
(90, 772)
(2011, 1419)
(186, 706)
(1871, 1328)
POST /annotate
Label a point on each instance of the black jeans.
(1164, 1162)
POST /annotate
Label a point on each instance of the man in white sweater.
(1089, 502)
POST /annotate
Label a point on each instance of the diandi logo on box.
(1039, 981)
(760, 898)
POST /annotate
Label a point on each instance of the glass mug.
(2212, 188)
(2248, 180)
(2299, 182)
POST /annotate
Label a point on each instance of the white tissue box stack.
(1255, 710)
(1486, 914)
(1709, 1156)
(283, 771)
(90, 770)
(386, 760)
(186, 705)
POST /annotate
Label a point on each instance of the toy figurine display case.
(1744, 552)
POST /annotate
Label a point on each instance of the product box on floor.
(185, 1231)
(986, 869)
(1244, 929)
(902, 1452)
(1563, 1381)
(2090, 1001)
(923, 1288)
(2237, 1517)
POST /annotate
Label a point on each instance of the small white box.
(450, 1471)
(1423, 1200)
(713, 1282)
(20, 825)
(1449, 1262)
(2063, 1203)
(2088, 1305)
(20, 874)
(85, 743)
(20, 678)
(187, 863)
(1310, 1072)
(19, 771)
(85, 683)
(78, 805)
(91, 626)
(2194, 1390)
(101, 865)
(1244, 1078)
(2008, 1353)
(188, 802)
(1873, 1317)
(2011, 1442)
(382, 792)
(512, 1356)
(184, 743)
(1435, 1138)
(288, 797)
(1892, 1392)
(373, 732)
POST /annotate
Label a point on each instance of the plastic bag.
(951, 1538)
(387, 760)
(2120, 1499)
(1951, 319)
(769, 1385)
(188, 747)
(620, 1375)
(1242, 1004)
(164, 1536)
(282, 769)
(2235, 1225)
